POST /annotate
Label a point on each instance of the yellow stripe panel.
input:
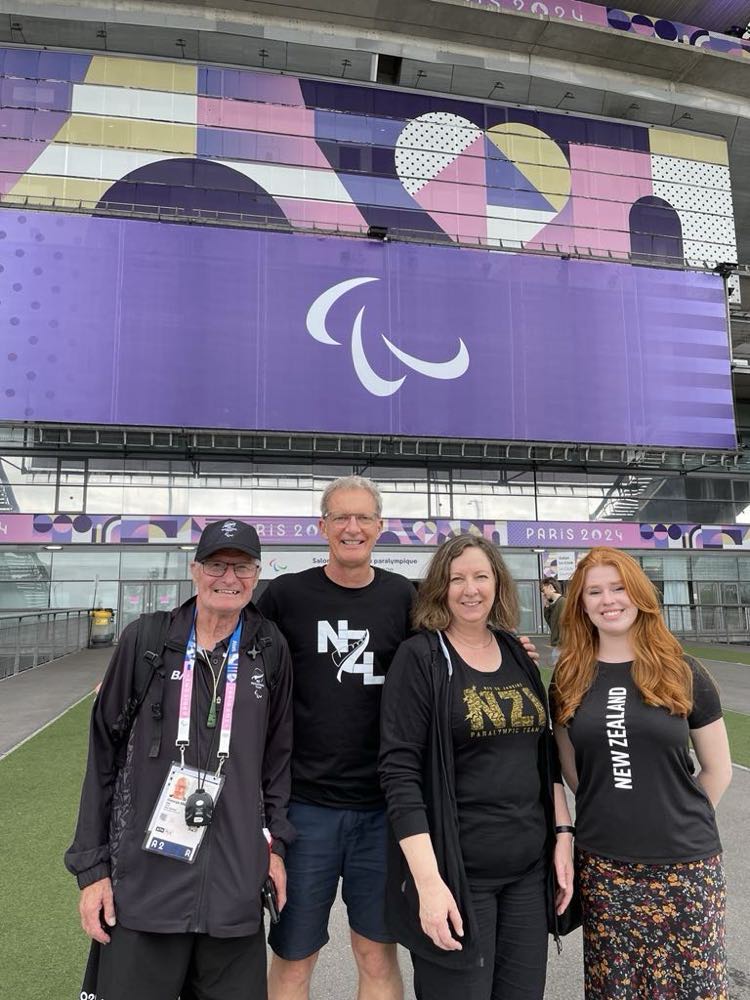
(70, 188)
(537, 157)
(129, 133)
(176, 78)
(688, 147)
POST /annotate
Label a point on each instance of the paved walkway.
(34, 697)
(734, 683)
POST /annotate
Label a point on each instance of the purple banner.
(643, 25)
(127, 322)
(165, 529)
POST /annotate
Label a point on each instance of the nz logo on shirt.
(350, 653)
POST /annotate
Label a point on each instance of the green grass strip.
(41, 941)
(738, 729)
(729, 654)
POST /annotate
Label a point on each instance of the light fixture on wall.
(53, 548)
(187, 548)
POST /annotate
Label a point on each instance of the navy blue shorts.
(332, 843)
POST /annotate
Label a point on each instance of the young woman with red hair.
(627, 702)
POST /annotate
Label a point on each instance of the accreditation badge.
(167, 832)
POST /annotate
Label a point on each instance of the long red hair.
(659, 669)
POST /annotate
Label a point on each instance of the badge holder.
(182, 813)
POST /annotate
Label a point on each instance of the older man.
(343, 623)
(171, 851)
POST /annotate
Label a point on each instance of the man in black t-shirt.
(343, 623)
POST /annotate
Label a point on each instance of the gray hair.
(351, 483)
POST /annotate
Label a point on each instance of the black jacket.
(418, 777)
(219, 894)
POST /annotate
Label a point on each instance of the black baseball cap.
(228, 534)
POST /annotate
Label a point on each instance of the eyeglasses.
(243, 571)
(363, 520)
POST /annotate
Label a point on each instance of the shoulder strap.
(149, 648)
(264, 641)
(152, 637)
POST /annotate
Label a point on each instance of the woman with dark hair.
(473, 790)
(626, 703)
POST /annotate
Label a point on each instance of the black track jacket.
(219, 894)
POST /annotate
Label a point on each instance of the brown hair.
(431, 608)
(659, 671)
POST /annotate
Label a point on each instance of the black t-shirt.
(498, 724)
(637, 799)
(342, 641)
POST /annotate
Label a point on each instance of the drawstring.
(446, 654)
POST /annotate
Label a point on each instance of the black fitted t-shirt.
(498, 724)
(637, 799)
(342, 641)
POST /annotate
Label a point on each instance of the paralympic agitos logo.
(375, 384)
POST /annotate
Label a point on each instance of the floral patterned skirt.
(653, 932)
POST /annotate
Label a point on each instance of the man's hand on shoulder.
(97, 907)
(530, 648)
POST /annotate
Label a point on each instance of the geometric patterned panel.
(701, 195)
(341, 158)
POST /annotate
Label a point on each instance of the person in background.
(554, 605)
(473, 789)
(626, 703)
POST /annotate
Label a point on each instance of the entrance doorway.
(138, 597)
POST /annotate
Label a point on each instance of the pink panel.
(604, 185)
(457, 197)
(294, 128)
(309, 212)
(253, 117)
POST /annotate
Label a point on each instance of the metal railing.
(709, 622)
(711, 252)
(29, 640)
